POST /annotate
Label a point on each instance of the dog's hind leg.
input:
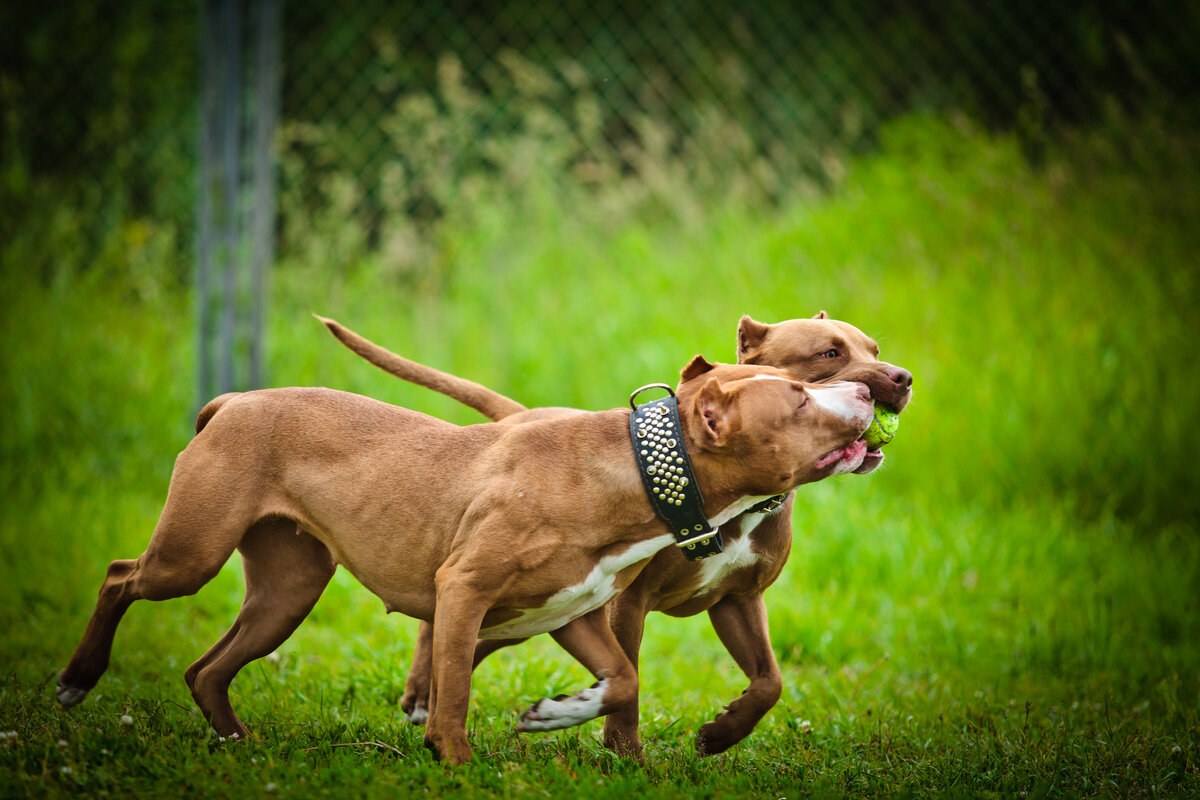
(741, 624)
(92, 655)
(177, 562)
(286, 571)
(415, 702)
(590, 640)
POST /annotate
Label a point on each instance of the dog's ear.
(695, 368)
(750, 337)
(716, 412)
(821, 315)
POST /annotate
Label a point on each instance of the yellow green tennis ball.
(883, 428)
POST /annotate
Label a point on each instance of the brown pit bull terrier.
(500, 531)
(729, 586)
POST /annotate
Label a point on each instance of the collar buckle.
(700, 539)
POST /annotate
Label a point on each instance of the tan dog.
(729, 586)
(498, 531)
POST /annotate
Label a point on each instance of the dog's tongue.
(852, 453)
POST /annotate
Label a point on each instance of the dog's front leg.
(591, 642)
(627, 618)
(457, 617)
(741, 624)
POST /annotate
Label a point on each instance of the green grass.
(1009, 608)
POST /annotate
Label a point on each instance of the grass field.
(1009, 608)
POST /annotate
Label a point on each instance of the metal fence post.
(236, 195)
(266, 105)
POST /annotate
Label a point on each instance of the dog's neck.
(665, 466)
(723, 497)
(740, 506)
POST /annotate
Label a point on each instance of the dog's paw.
(564, 711)
(624, 743)
(713, 738)
(69, 696)
(419, 714)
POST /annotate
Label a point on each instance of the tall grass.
(1008, 606)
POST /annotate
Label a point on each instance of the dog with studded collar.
(484, 530)
(757, 542)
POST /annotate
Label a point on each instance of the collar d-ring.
(647, 388)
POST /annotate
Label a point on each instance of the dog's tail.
(492, 405)
(211, 408)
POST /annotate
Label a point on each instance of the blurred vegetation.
(1009, 606)
(393, 110)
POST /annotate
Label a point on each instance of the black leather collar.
(768, 505)
(667, 474)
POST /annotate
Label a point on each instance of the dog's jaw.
(871, 461)
(844, 459)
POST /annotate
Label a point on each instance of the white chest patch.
(738, 554)
(573, 602)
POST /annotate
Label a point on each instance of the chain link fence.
(395, 113)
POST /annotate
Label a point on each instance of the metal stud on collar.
(659, 446)
(666, 473)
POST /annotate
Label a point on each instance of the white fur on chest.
(738, 554)
(573, 602)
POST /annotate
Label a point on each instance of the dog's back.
(211, 408)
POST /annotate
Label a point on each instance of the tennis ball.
(883, 428)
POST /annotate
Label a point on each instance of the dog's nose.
(901, 377)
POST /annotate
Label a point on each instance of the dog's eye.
(831, 353)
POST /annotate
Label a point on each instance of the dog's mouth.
(873, 457)
(844, 459)
(871, 460)
(855, 457)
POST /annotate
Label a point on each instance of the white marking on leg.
(552, 715)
